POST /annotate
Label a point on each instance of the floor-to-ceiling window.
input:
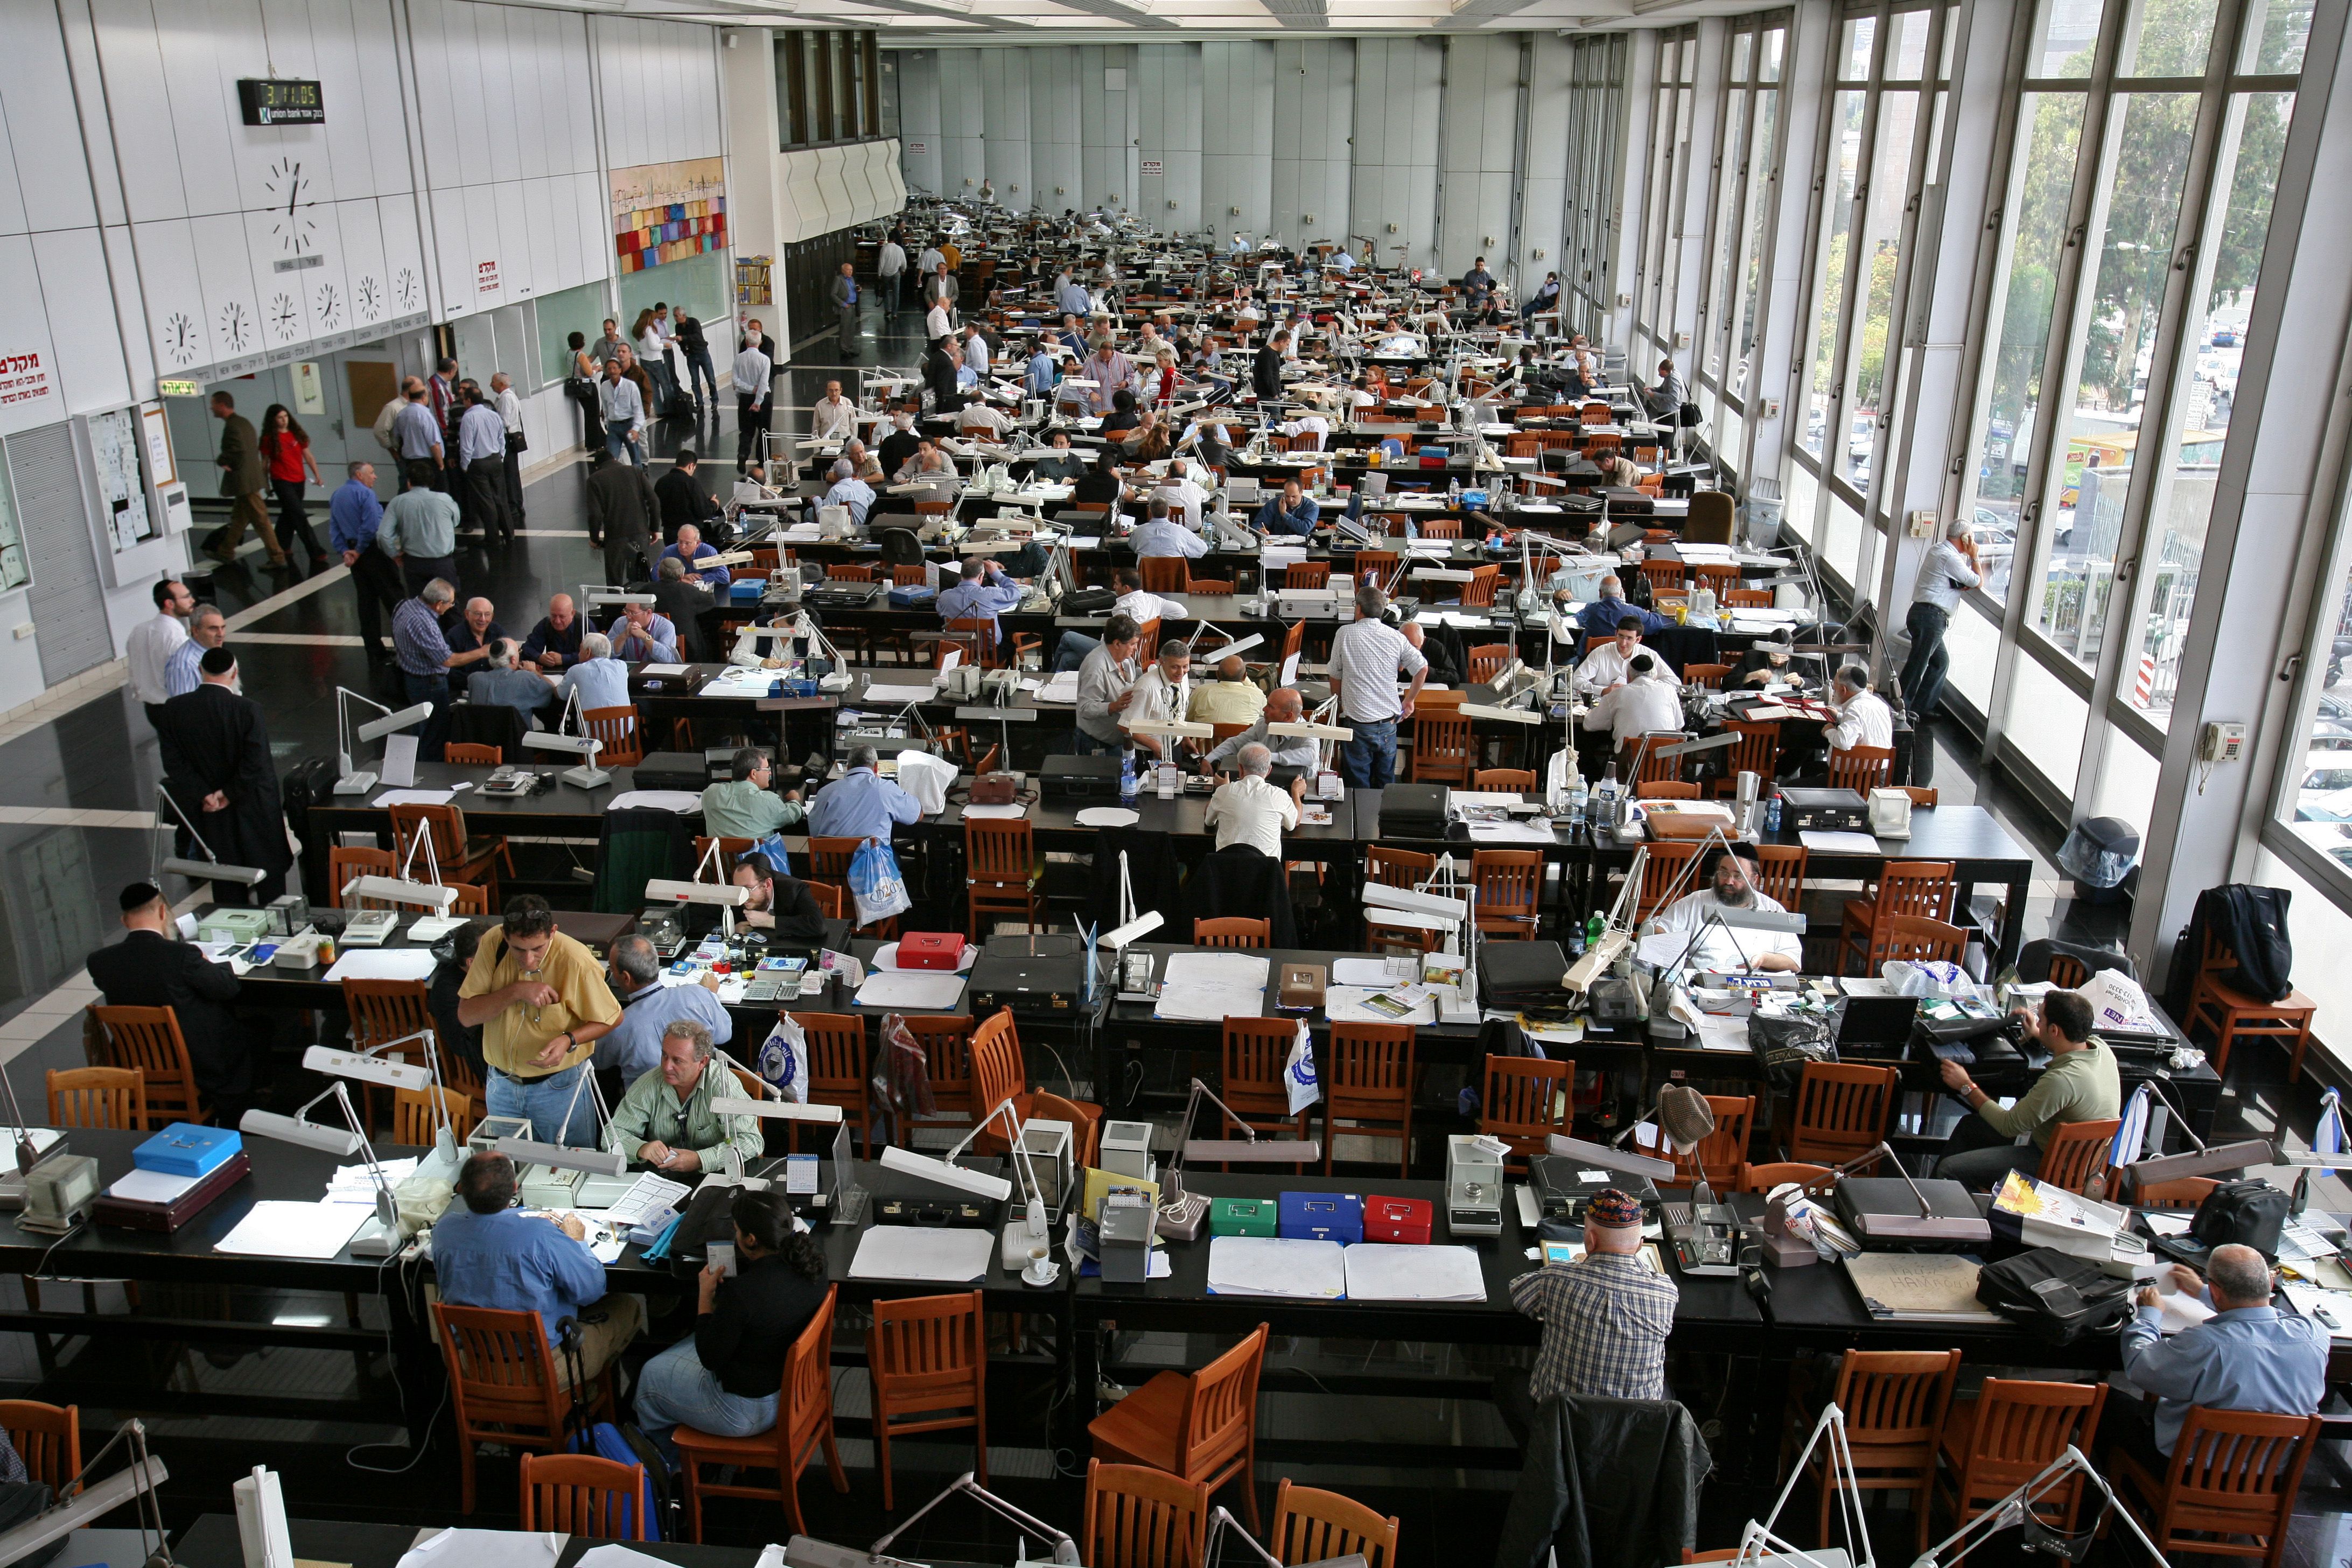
(1746, 175)
(1596, 115)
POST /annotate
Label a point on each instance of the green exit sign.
(177, 388)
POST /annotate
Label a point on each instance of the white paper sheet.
(1060, 688)
(1822, 842)
(651, 1191)
(886, 959)
(1367, 972)
(1534, 832)
(150, 1186)
(1378, 1271)
(1345, 1005)
(927, 990)
(892, 691)
(1209, 1002)
(611, 1555)
(486, 1549)
(1109, 816)
(414, 797)
(1215, 968)
(661, 669)
(383, 963)
(995, 813)
(1272, 1266)
(945, 1255)
(275, 1229)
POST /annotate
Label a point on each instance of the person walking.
(243, 476)
(623, 408)
(889, 272)
(482, 448)
(844, 295)
(353, 516)
(287, 448)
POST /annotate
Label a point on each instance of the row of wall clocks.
(282, 317)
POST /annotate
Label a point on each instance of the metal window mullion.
(1768, 224)
(1706, 326)
(2062, 357)
(2196, 234)
(1845, 349)
(1777, 254)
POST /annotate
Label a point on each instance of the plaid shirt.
(1605, 1325)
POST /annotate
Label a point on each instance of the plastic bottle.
(1128, 784)
(1605, 796)
(1593, 928)
(1772, 813)
(1579, 798)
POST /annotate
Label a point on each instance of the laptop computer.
(1876, 1025)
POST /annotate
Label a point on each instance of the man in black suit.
(150, 968)
(684, 501)
(218, 768)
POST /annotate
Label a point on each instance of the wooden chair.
(2184, 1194)
(1722, 1154)
(917, 575)
(2000, 1438)
(1165, 573)
(1665, 789)
(1201, 1427)
(1480, 590)
(2077, 1155)
(1138, 1516)
(1780, 873)
(2233, 1473)
(472, 754)
(803, 1421)
(1442, 748)
(1371, 1083)
(1842, 1109)
(503, 1385)
(1232, 931)
(149, 1039)
(1894, 1403)
(1307, 574)
(1763, 1178)
(383, 1011)
(580, 1494)
(1368, 561)
(1757, 751)
(1488, 660)
(1311, 1525)
(342, 865)
(1000, 875)
(98, 1096)
(1921, 888)
(1667, 574)
(1708, 676)
(1913, 940)
(618, 728)
(2234, 1014)
(980, 633)
(927, 1357)
(1510, 887)
(1257, 1050)
(1209, 585)
(1862, 768)
(1748, 598)
(1524, 1100)
(414, 1120)
(1442, 527)
(47, 1437)
(1656, 769)
(1396, 869)
(1668, 859)
(1519, 779)
(947, 1064)
(838, 1071)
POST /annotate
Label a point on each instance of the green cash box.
(1243, 1216)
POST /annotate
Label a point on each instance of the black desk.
(212, 1543)
(561, 811)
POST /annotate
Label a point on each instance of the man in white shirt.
(1950, 570)
(833, 417)
(928, 261)
(1160, 694)
(1135, 601)
(975, 352)
(1366, 655)
(1863, 718)
(153, 641)
(1162, 536)
(891, 269)
(1731, 948)
(1644, 705)
(1609, 664)
(1178, 490)
(978, 418)
(1251, 810)
(755, 400)
(509, 407)
(936, 324)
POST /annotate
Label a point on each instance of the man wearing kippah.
(1606, 1318)
(150, 967)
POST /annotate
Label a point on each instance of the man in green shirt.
(665, 1121)
(2079, 1085)
(744, 807)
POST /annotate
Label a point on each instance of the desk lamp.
(1183, 1215)
(1759, 1544)
(88, 1501)
(2017, 1508)
(2201, 1160)
(722, 893)
(802, 1552)
(587, 776)
(380, 1237)
(527, 1150)
(376, 1065)
(209, 868)
(943, 1170)
(352, 781)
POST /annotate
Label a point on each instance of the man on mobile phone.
(665, 1122)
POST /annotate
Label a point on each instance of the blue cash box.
(185, 1148)
(750, 591)
(1322, 1216)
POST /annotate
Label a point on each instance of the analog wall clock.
(238, 327)
(404, 287)
(369, 298)
(289, 190)
(285, 317)
(330, 306)
(180, 338)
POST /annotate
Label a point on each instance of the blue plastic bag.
(875, 884)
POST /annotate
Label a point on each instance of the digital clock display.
(272, 102)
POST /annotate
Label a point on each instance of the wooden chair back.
(1707, 676)
(1442, 527)
(805, 1409)
(917, 575)
(1442, 748)
(149, 1039)
(1894, 1403)
(1219, 1425)
(837, 1066)
(2012, 1429)
(1921, 888)
(471, 753)
(1488, 660)
(927, 1357)
(445, 823)
(1165, 573)
(999, 1072)
(1842, 1110)
(414, 1120)
(617, 728)
(1256, 1052)
(1138, 1516)
(980, 633)
(1668, 858)
(580, 1494)
(1519, 779)
(1665, 789)
(832, 899)
(2233, 1472)
(1914, 940)
(342, 865)
(1862, 768)
(1663, 573)
(1480, 590)
(1215, 586)
(1757, 751)
(1748, 598)
(383, 1011)
(1524, 1100)
(1396, 869)
(1764, 1177)
(1780, 873)
(502, 1382)
(1232, 931)
(1722, 1154)
(2184, 1194)
(946, 1041)
(1509, 884)
(47, 1437)
(1311, 1525)
(98, 1096)
(1307, 574)
(998, 850)
(2077, 1154)
(1656, 769)
(1368, 562)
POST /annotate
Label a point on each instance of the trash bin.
(2101, 855)
(1760, 525)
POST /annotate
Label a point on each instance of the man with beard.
(1733, 947)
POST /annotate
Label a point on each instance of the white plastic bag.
(1935, 977)
(783, 1060)
(2117, 1003)
(1298, 1073)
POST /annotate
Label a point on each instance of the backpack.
(2054, 1295)
(623, 1445)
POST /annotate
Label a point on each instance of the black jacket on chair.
(1607, 1483)
(1238, 881)
(146, 969)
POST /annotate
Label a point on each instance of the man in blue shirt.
(1294, 512)
(1601, 616)
(647, 1007)
(418, 435)
(1073, 339)
(602, 680)
(504, 679)
(1163, 535)
(488, 1253)
(353, 515)
(2247, 1356)
(1039, 382)
(641, 636)
(982, 593)
(849, 490)
(1074, 299)
(690, 549)
(860, 803)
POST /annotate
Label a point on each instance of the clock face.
(180, 338)
(237, 329)
(404, 287)
(369, 298)
(285, 317)
(330, 306)
(289, 190)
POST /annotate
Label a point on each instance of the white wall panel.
(1237, 88)
(361, 231)
(921, 161)
(74, 294)
(131, 326)
(1394, 175)
(200, 132)
(224, 268)
(27, 334)
(43, 132)
(1314, 116)
(130, 53)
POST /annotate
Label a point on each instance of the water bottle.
(1453, 492)
(1578, 798)
(1593, 929)
(1772, 813)
(1605, 796)
(1128, 782)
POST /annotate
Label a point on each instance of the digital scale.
(369, 928)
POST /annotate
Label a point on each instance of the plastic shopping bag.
(1298, 1073)
(875, 884)
(783, 1060)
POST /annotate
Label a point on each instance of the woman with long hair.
(286, 447)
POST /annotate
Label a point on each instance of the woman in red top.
(286, 449)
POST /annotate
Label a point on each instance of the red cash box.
(930, 949)
(1397, 1220)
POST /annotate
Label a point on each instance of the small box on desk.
(1322, 1216)
(185, 1148)
(1404, 1220)
(930, 949)
(169, 1210)
(1243, 1216)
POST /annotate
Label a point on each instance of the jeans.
(889, 283)
(1923, 672)
(700, 378)
(1978, 1157)
(542, 1099)
(618, 442)
(1368, 762)
(433, 689)
(1072, 650)
(677, 1390)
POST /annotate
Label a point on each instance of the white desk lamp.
(375, 1066)
(587, 776)
(1760, 1545)
(1014, 1246)
(1182, 1215)
(353, 781)
(380, 1237)
(557, 1156)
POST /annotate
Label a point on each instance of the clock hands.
(293, 191)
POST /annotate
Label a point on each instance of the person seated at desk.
(848, 491)
(2079, 1085)
(1099, 485)
(1765, 664)
(1161, 535)
(901, 443)
(1157, 697)
(601, 680)
(150, 967)
(1602, 618)
(502, 680)
(726, 1377)
(868, 466)
(1123, 417)
(861, 803)
(982, 593)
(472, 632)
(648, 1008)
(1863, 718)
(687, 604)
(690, 551)
(929, 465)
(641, 636)
(1251, 809)
(1064, 466)
(665, 1122)
(684, 502)
(1611, 665)
(1148, 442)
(1105, 689)
(1722, 948)
(1293, 511)
(743, 805)
(2247, 1356)
(1136, 604)
(1644, 705)
(554, 642)
(833, 417)
(1231, 698)
(988, 423)
(782, 904)
(488, 1253)
(1605, 1319)
(1284, 707)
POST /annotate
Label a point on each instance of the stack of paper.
(1061, 689)
(942, 1255)
(355, 1184)
(272, 1228)
(1213, 985)
(1380, 1272)
(1918, 1287)
(1270, 1266)
(1824, 842)
(651, 1191)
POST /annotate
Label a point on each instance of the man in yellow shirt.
(541, 1000)
(1228, 700)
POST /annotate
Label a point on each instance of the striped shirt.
(416, 638)
(1605, 1323)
